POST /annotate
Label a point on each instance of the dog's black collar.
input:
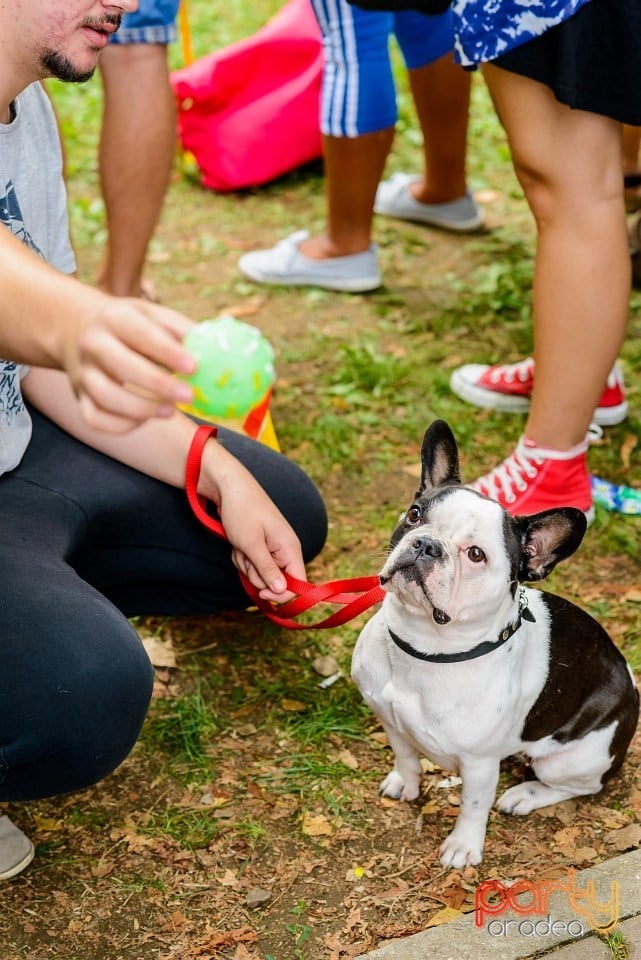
(480, 649)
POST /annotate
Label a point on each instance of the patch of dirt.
(107, 885)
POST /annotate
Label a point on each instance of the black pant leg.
(75, 681)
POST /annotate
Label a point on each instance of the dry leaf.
(245, 309)
(448, 782)
(325, 666)
(627, 447)
(567, 835)
(612, 820)
(242, 953)
(444, 916)
(160, 651)
(379, 738)
(229, 938)
(585, 853)
(316, 826)
(565, 811)
(348, 759)
(228, 879)
(455, 897)
(293, 706)
(47, 824)
(624, 839)
(427, 766)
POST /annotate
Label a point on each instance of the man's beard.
(59, 66)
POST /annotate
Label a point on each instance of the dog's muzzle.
(416, 559)
(415, 562)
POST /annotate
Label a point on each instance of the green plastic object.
(235, 367)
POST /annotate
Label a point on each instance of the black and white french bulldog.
(465, 666)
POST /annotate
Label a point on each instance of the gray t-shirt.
(33, 205)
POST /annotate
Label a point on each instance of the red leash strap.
(354, 595)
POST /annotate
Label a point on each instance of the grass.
(181, 729)
(192, 829)
(617, 944)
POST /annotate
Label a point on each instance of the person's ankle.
(322, 248)
(143, 289)
(424, 191)
(554, 450)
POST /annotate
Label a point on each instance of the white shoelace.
(509, 372)
(510, 477)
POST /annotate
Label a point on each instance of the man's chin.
(62, 68)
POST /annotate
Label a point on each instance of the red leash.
(362, 592)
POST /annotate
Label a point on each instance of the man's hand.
(120, 354)
(264, 544)
(121, 363)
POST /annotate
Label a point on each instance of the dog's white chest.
(407, 712)
(443, 710)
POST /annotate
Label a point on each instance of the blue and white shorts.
(153, 22)
(358, 93)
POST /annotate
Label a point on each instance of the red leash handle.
(354, 595)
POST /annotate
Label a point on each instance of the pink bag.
(250, 112)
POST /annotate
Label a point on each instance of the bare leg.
(569, 164)
(441, 92)
(137, 146)
(353, 169)
(354, 165)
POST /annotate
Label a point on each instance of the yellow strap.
(185, 33)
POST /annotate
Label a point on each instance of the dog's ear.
(439, 458)
(547, 538)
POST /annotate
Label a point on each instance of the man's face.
(69, 35)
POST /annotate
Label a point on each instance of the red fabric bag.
(250, 112)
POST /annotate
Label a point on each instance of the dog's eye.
(413, 515)
(476, 555)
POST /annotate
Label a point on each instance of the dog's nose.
(426, 547)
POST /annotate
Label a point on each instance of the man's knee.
(82, 719)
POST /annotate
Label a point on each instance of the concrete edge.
(514, 937)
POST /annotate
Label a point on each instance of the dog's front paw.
(397, 788)
(460, 851)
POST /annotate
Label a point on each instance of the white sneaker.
(16, 849)
(284, 265)
(394, 199)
